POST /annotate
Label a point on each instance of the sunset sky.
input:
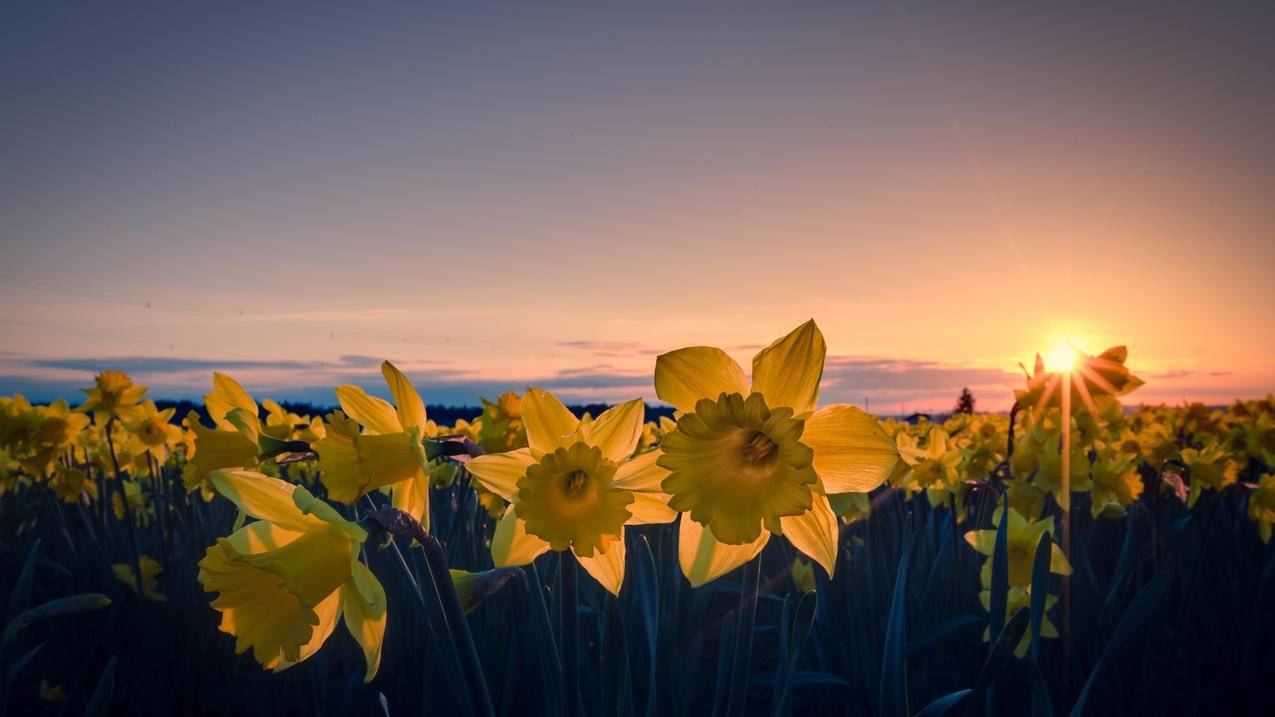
(497, 195)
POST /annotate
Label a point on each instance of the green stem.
(569, 616)
(738, 701)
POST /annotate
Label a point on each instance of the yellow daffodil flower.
(1116, 484)
(1021, 597)
(748, 462)
(150, 569)
(386, 452)
(113, 395)
(1261, 506)
(152, 428)
(285, 580)
(1208, 468)
(574, 487)
(1021, 540)
(1091, 377)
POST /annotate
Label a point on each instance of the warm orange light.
(1062, 357)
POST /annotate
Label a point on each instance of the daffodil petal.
(409, 407)
(814, 533)
(684, 376)
(617, 431)
(374, 413)
(853, 453)
(329, 612)
(499, 472)
(650, 508)
(704, 559)
(226, 396)
(264, 498)
(548, 422)
(363, 605)
(641, 474)
(412, 497)
(788, 371)
(984, 541)
(607, 568)
(511, 545)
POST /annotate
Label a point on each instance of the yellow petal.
(617, 430)
(264, 498)
(409, 407)
(226, 396)
(374, 413)
(549, 423)
(607, 568)
(511, 545)
(329, 612)
(788, 371)
(499, 472)
(363, 603)
(684, 376)
(814, 533)
(412, 497)
(704, 559)
(984, 541)
(853, 453)
(641, 474)
(649, 508)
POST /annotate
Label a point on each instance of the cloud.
(609, 349)
(924, 384)
(889, 385)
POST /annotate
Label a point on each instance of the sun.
(1062, 357)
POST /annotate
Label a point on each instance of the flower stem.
(740, 664)
(569, 616)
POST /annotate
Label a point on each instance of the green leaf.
(100, 704)
(61, 607)
(1001, 650)
(892, 697)
(1137, 613)
(1040, 591)
(943, 705)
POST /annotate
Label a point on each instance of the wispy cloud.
(922, 384)
(889, 385)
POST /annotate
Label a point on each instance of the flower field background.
(757, 553)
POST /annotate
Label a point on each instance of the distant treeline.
(446, 415)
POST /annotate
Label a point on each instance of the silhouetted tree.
(964, 404)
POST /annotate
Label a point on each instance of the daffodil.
(226, 447)
(215, 449)
(114, 395)
(59, 427)
(386, 452)
(803, 575)
(286, 579)
(150, 569)
(1116, 484)
(748, 462)
(1261, 506)
(1020, 597)
(501, 429)
(1049, 470)
(851, 507)
(1208, 468)
(1022, 537)
(69, 483)
(153, 430)
(1091, 377)
(932, 468)
(574, 487)
(136, 503)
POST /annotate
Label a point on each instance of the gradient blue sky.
(492, 195)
